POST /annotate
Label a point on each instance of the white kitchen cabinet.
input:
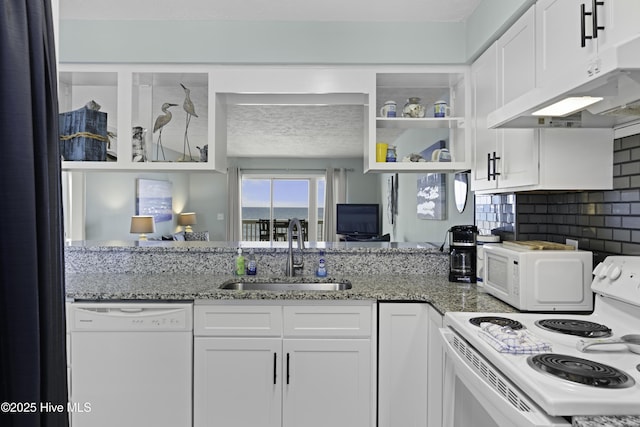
(557, 159)
(283, 365)
(563, 61)
(402, 361)
(327, 382)
(435, 368)
(620, 21)
(559, 51)
(417, 135)
(502, 158)
(531, 159)
(237, 382)
(516, 59)
(409, 365)
(484, 99)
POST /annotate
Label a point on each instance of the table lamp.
(142, 224)
(187, 219)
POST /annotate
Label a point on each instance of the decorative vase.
(413, 109)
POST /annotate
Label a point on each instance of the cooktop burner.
(580, 371)
(581, 328)
(502, 321)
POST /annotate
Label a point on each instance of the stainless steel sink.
(285, 285)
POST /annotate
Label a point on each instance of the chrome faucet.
(290, 269)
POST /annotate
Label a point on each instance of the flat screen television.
(358, 219)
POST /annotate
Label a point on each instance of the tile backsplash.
(606, 222)
(496, 214)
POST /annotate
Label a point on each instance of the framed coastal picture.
(153, 197)
(431, 197)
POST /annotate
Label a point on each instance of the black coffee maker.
(462, 253)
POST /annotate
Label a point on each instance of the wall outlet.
(572, 242)
(220, 217)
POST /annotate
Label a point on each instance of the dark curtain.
(32, 327)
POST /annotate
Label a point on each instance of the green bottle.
(240, 270)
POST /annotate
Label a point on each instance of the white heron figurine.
(161, 121)
(191, 111)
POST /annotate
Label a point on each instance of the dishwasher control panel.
(130, 316)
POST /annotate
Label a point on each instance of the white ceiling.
(268, 131)
(274, 10)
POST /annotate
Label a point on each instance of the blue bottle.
(321, 271)
(252, 265)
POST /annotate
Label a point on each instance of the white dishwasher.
(131, 364)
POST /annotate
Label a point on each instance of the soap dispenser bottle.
(252, 266)
(321, 271)
(240, 269)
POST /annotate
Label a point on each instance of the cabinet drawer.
(327, 321)
(224, 321)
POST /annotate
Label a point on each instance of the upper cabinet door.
(483, 101)
(560, 56)
(517, 59)
(620, 21)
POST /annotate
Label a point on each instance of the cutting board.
(538, 245)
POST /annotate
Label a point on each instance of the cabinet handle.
(495, 157)
(594, 22)
(583, 31)
(594, 17)
(488, 166)
(287, 368)
(275, 367)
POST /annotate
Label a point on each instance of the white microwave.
(539, 280)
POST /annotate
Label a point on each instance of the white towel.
(506, 340)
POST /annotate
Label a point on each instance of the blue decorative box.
(83, 135)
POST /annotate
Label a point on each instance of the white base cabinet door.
(409, 366)
(237, 382)
(284, 365)
(435, 368)
(327, 383)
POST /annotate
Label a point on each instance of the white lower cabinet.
(409, 365)
(283, 365)
(327, 382)
(237, 382)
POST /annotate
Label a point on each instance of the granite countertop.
(607, 421)
(437, 290)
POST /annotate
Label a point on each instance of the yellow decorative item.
(381, 152)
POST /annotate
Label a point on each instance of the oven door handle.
(494, 402)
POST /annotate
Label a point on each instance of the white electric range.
(484, 386)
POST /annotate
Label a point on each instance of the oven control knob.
(600, 271)
(614, 272)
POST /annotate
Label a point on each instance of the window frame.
(312, 203)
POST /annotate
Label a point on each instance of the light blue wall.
(261, 42)
(286, 42)
(110, 201)
(490, 19)
(110, 196)
(408, 227)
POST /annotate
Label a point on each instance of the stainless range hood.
(618, 83)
